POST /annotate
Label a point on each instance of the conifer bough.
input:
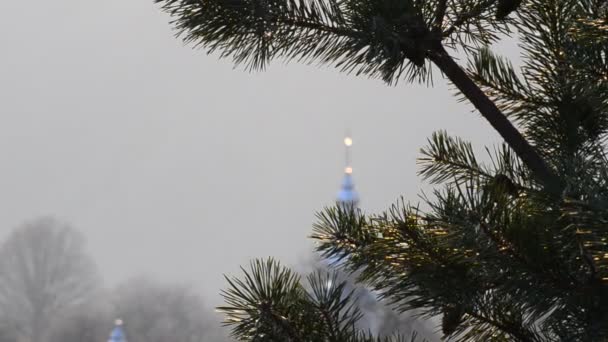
(392, 40)
(497, 257)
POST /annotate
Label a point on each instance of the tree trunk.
(38, 327)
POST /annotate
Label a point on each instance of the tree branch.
(523, 261)
(514, 332)
(320, 27)
(330, 325)
(477, 10)
(442, 7)
(280, 321)
(496, 118)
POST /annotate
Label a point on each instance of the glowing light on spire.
(348, 141)
(347, 196)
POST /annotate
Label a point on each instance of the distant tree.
(151, 312)
(44, 271)
(87, 323)
(156, 312)
(7, 334)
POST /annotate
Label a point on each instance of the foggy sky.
(174, 164)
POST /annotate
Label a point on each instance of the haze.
(174, 164)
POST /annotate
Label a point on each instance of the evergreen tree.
(513, 249)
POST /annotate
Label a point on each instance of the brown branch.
(496, 118)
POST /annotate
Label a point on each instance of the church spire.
(348, 196)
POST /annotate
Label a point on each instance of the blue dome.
(347, 193)
(117, 335)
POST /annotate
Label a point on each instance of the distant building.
(348, 196)
(118, 334)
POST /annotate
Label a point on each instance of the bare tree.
(87, 323)
(152, 312)
(44, 271)
(7, 334)
(155, 312)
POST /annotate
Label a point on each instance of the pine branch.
(448, 158)
(499, 80)
(367, 37)
(517, 334)
(439, 16)
(261, 304)
(591, 30)
(515, 250)
(335, 305)
(499, 121)
(399, 253)
(255, 31)
(463, 18)
(270, 304)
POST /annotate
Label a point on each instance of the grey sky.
(174, 164)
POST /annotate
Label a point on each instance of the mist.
(176, 167)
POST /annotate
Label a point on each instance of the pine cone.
(506, 7)
(452, 317)
(506, 183)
